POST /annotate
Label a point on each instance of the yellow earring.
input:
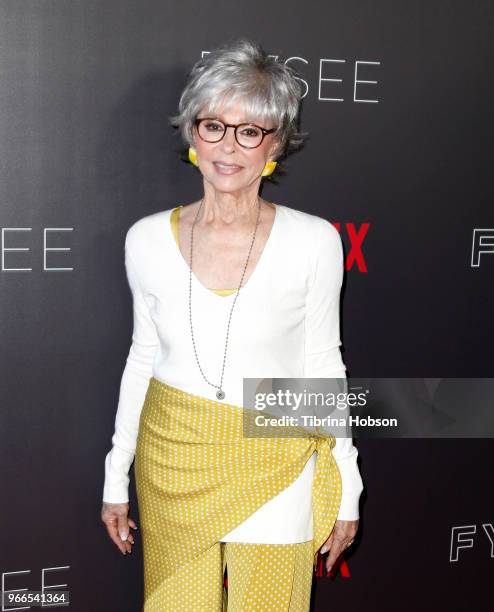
(193, 156)
(269, 168)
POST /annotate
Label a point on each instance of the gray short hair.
(241, 71)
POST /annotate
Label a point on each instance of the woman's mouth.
(226, 168)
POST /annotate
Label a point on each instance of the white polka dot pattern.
(259, 577)
(197, 477)
(269, 577)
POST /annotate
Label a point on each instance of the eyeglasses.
(248, 135)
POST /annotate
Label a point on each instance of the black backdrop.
(85, 91)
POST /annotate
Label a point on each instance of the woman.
(228, 287)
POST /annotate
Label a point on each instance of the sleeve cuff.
(351, 480)
(349, 508)
(117, 466)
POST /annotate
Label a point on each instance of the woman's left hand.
(340, 539)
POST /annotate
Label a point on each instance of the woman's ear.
(194, 135)
(274, 150)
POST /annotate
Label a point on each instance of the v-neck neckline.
(255, 273)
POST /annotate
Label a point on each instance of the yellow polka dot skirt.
(198, 477)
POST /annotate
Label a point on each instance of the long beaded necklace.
(220, 394)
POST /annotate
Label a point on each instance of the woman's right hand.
(115, 517)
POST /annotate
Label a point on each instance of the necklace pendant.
(220, 394)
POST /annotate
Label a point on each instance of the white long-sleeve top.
(285, 324)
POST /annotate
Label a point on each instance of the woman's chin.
(232, 182)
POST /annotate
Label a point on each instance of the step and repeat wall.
(398, 101)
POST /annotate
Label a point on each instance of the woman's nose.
(229, 141)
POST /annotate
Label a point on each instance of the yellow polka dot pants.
(198, 476)
(264, 577)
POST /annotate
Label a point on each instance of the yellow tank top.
(174, 217)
